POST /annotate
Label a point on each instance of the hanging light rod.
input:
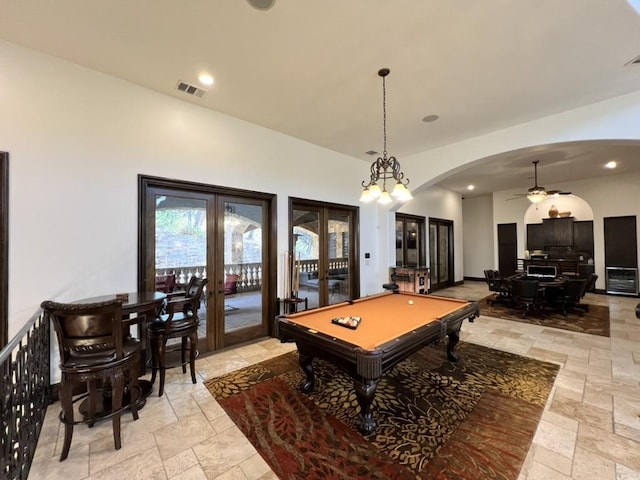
(384, 168)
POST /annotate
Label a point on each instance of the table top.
(384, 317)
(134, 301)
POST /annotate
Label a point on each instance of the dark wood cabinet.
(620, 242)
(535, 236)
(583, 236)
(558, 232)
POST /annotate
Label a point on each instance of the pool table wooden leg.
(454, 338)
(365, 391)
(306, 363)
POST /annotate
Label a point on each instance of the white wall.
(478, 238)
(77, 141)
(444, 204)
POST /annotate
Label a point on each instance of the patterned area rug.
(436, 420)
(594, 322)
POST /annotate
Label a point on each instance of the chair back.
(86, 330)
(575, 289)
(190, 303)
(166, 283)
(231, 284)
(525, 290)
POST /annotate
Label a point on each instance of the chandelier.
(384, 168)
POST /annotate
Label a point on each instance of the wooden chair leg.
(183, 353)
(193, 344)
(117, 391)
(154, 359)
(162, 345)
(92, 390)
(134, 391)
(66, 402)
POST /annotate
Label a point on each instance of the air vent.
(191, 89)
(635, 61)
(371, 152)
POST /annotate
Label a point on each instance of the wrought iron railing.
(25, 394)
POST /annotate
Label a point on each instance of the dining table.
(137, 309)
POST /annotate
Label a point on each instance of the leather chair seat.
(130, 348)
(179, 323)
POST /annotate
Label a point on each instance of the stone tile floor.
(590, 428)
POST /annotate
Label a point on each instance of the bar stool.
(179, 321)
(94, 352)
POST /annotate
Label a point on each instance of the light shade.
(537, 197)
(385, 198)
(385, 168)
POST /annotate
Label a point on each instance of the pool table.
(392, 327)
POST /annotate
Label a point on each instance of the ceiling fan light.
(536, 197)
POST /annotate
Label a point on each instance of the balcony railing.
(250, 274)
(25, 394)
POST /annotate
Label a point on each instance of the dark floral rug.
(436, 420)
(595, 321)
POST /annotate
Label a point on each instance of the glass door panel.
(306, 256)
(399, 243)
(412, 244)
(242, 265)
(180, 244)
(324, 252)
(338, 274)
(242, 298)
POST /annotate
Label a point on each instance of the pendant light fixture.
(384, 168)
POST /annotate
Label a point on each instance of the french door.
(221, 234)
(441, 253)
(324, 252)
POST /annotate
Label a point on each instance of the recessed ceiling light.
(206, 79)
(430, 118)
(611, 165)
(470, 187)
(261, 4)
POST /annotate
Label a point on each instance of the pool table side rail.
(367, 364)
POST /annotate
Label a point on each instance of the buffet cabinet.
(411, 279)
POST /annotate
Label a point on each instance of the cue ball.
(410, 302)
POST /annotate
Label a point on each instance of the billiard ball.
(410, 302)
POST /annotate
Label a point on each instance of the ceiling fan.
(537, 193)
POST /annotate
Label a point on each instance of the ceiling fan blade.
(557, 192)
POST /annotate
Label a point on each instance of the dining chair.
(166, 283)
(231, 289)
(528, 295)
(180, 320)
(498, 285)
(94, 352)
(572, 292)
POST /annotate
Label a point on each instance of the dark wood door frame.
(269, 281)
(354, 263)
(435, 280)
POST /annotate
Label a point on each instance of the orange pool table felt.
(384, 317)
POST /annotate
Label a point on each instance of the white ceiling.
(308, 68)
